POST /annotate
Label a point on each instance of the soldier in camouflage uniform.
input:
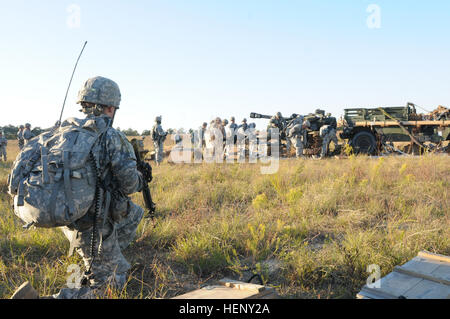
(20, 139)
(252, 142)
(27, 135)
(295, 132)
(231, 136)
(328, 134)
(3, 144)
(100, 98)
(158, 136)
(217, 136)
(233, 128)
(278, 122)
(242, 138)
(201, 136)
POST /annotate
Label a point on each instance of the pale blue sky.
(192, 60)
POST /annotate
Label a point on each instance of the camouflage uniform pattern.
(20, 139)
(3, 144)
(295, 133)
(109, 268)
(328, 134)
(231, 137)
(27, 135)
(217, 135)
(252, 142)
(159, 142)
(100, 90)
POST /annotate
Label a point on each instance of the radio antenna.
(70, 82)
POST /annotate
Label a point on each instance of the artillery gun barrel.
(254, 115)
(259, 116)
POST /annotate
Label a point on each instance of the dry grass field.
(310, 230)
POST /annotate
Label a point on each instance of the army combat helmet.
(100, 91)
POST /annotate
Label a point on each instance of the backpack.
(54, 178)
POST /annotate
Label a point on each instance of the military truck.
(312, 140)
(371, 130)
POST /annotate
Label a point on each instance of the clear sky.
(192, 60)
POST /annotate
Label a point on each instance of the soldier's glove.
(146, 171)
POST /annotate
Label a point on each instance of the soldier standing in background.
(217, 138)
(224, 127)
(232, 136)
(252, 142)
(233, 129)
(158, 137)
(3, 144)
(295, 132)
(20, 139)
(242, 138)
(27, 135)
(328, 134)
(226, 138)
(201, 136)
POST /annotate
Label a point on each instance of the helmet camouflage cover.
(320, 112)
(100, 90)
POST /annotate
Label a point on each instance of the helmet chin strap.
(112, 119)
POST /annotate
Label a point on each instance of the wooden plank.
(443, 271)
(438, 257)
(241, 285)
(425, 276)
(377, 293)
(397, 284)
(428, 290)
(231, 289)
(421, 275)
(268, 293)
(421, 265)
(216, 292)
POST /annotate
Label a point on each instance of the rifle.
(143, 168)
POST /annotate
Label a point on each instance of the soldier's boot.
(25, 291)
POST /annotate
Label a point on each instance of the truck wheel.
(364, 142)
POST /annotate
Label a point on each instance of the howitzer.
(254, 115)
(283, 122)
(146, 170)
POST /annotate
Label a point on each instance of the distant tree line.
(10, 131)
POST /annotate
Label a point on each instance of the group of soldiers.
(218, 139)
(23, 136)
(294, 131)
(223, 137)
